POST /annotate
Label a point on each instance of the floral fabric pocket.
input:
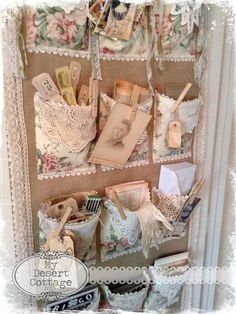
(178, 33)
(63, 138)
(118, 236)
(187, 113)
(53, 29)
(85, 232)
(140, 154)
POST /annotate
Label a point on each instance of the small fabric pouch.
(63, 138)
(126, 301)
(85, 232)
(118, 236)
(140, 154)
(188, 114)
(166, 284)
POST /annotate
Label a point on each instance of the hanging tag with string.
(175, 129)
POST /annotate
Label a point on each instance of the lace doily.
(131, 301)
(72, 126)
(153, 226)
(169, 205)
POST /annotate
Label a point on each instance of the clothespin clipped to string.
(134, 102)
(174, 129)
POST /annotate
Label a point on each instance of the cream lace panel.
(117, 234)
(140, 154)
(187, 114)
(131, 301)
(153, 226)
(72, 126)
(167, 286)
(55, 143)
(169, 205)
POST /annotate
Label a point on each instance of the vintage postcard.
(96, 10)
(119, 137)
(120, 20)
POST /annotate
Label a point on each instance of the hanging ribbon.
(95, 53)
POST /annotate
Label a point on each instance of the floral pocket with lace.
(63, 138)
(84, 232)
(187, 114)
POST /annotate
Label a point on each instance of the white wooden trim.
(219, 122)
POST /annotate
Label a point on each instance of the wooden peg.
(181, 97)
(118, 205)
(62, 222)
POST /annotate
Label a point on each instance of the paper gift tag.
(174, 134)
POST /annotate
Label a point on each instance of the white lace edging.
(176, 59)
(172, 158)
(58, 51)
(64, 174)
(128, 165)
(114, 57)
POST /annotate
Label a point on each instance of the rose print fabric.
(54, 156)
(53, 27)
(187, 114)
(177, 29)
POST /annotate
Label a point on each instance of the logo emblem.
(50, 275)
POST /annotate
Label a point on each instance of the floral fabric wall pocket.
(187, 113)
(63, 138)
(53, 29)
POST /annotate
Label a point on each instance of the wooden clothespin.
(54, 241)
(134, 101)
(175, 129)
(181, 97)
(93, 96)
(118, 205)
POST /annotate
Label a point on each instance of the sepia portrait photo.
(119, 137)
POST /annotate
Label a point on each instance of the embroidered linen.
(166, 287)
(118, 236)
(63, 138)
(85, 244)
(187, 114)
(48, 28)
(140, 154)
(177, 28)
